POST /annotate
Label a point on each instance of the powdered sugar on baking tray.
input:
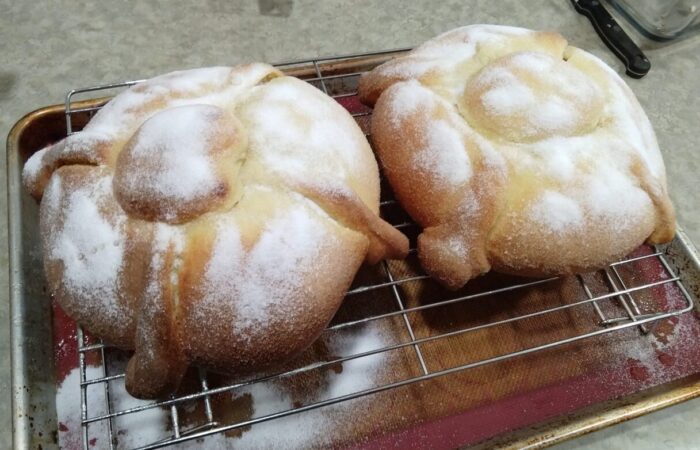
(444, 155)
(68, 412)
(297, 431)
(89, 245)
(357, 374)
(131, 430)
(135, 429)
(309, 428)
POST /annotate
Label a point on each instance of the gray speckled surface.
(49, 47)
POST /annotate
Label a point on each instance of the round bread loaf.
(517, 152)
(212, 216)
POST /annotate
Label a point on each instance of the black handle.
(636, 64)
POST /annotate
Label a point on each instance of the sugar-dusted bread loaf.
(212, 216)
(516, 152)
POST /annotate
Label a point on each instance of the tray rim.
(591, 419)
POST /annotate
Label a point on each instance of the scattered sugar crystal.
(444, 155)
(33, 165)
(90, 246)
(262, 278)
(509, 98)
(557, 212)
(178, 138)
(409, 98)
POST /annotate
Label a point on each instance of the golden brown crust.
(517, 153)
(385, 241)
(143, 168)
(214, 216)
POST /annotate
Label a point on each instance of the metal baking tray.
(504, 362)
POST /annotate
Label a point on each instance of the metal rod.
(372, 287)
(589, 294)
(102, 379)
(680, 285)
(207, 399)
(401, 312)
(83, 389)
(108, 402)
(621, 297)
(320, 78)
(635, 307)
(347, 94)
(441, 303)
(174, 420)
(91, 347)
(615, 320)
(409, 328)
(346, 56)
(636, 258)
(72, 92)
(398, 226)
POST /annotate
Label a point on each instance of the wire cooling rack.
(337, 76)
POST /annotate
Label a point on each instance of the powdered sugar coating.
(177, 138)
(532, 95)
(509, 99)
(448, 50)
(159, 176)
(564, 171)
(544, 95)
(557, 212)
(34, 165)
(268, 274)
(89, 244)
(299, 135)
(120, 117)
(444, 155)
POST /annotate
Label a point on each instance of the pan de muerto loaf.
(212, 216)
(516, 152)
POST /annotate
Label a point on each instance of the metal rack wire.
(327, 74)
